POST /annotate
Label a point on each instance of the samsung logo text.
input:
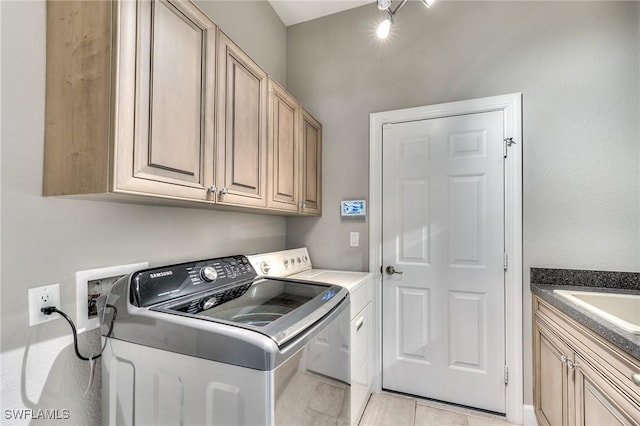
(161, 274)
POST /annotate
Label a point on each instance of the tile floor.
(386, 409)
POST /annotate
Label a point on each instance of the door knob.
(391, 270)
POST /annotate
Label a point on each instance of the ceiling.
(295, 11)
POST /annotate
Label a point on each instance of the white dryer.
(296, 264)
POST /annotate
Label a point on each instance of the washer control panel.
(157, 285)
(281, 263)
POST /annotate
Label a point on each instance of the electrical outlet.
(42, 297)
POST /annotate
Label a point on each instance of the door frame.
(511, 107)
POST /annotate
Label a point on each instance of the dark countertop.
(544, 281)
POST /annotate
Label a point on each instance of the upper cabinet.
(284, 150)
(148, 100)
(241, 176)
(311, 176)
(130, 99)
(295, 152)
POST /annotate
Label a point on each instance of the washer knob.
(265, 267)
(208, 273)
(209, 303)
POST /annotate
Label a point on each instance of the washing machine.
(211, 342)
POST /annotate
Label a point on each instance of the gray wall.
(46, 240)
(256, 28)
(577, 65)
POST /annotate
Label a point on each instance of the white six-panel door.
(443, 233)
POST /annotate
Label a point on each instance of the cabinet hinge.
(506, 144)
(506, 375)
(505, 261)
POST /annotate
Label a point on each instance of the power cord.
(92, 360)
(52, 309)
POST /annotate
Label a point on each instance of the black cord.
(51, 309)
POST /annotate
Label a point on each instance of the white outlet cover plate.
(52, 292)
(84, 323)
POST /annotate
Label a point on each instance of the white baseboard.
(529, 416)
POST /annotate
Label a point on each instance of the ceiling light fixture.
(385, 25)
(383, 29)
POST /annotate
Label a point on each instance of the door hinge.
(506, 144)
(506, 375)
(505, 261)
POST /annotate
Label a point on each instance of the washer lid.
(277, 308)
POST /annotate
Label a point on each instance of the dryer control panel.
(157, 285)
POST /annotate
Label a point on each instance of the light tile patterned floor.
(386, 409)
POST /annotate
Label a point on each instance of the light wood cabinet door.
(284, 150)
(552, 388)
(579, 379)
(130, 97)
(241, 158)
(166, 102)
(599, 403)
(311, 164)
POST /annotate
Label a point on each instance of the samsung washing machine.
(213, 343)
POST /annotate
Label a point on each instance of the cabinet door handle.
(636, 378)
(359, 323)
(212, 189)
(564, 359)
(571, 365)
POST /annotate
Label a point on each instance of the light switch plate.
(354, 239)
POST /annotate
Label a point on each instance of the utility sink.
(621, 309)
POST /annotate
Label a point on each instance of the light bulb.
(428, 3)
(384, 4)
(383, 28)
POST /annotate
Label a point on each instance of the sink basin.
(621, 309)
